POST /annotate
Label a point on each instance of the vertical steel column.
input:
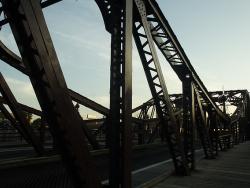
(119, 131)
(19, 116)
(234, 128)
(143, 116)
(214, 130)
(248, 116)
(39, 57)
(189, 120)
(242, 128)
(42, 130)
(224, 105)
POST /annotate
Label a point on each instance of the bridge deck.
(231, 169)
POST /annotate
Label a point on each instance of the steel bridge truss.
(177, 119)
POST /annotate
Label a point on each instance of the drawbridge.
(195, 117)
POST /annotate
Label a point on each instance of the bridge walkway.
(230, 169)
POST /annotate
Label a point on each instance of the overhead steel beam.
(231, 96)
(12, 59)
(88, 103)
(35, 45)
(170, 47)
(15, 61)
(149, 102)
(46, 3)
(24, 107)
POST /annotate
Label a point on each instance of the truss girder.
(170, 47)
(149, 26)
(144, 116)
(202, 128)
(35, 45)
(151, 65)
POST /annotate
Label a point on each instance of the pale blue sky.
(215, 35)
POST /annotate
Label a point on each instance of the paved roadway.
(19, 152)
(231, 170)
(52, 174)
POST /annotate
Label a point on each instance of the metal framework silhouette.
(177, 119)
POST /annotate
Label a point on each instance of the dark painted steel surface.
(119, 126)
(178, 114)
(35, 45)
(202, 127)
(151, 65)
(46, 3)
(170, 47)
(188, 120)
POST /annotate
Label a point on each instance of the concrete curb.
(154, 181)
(164, 176)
